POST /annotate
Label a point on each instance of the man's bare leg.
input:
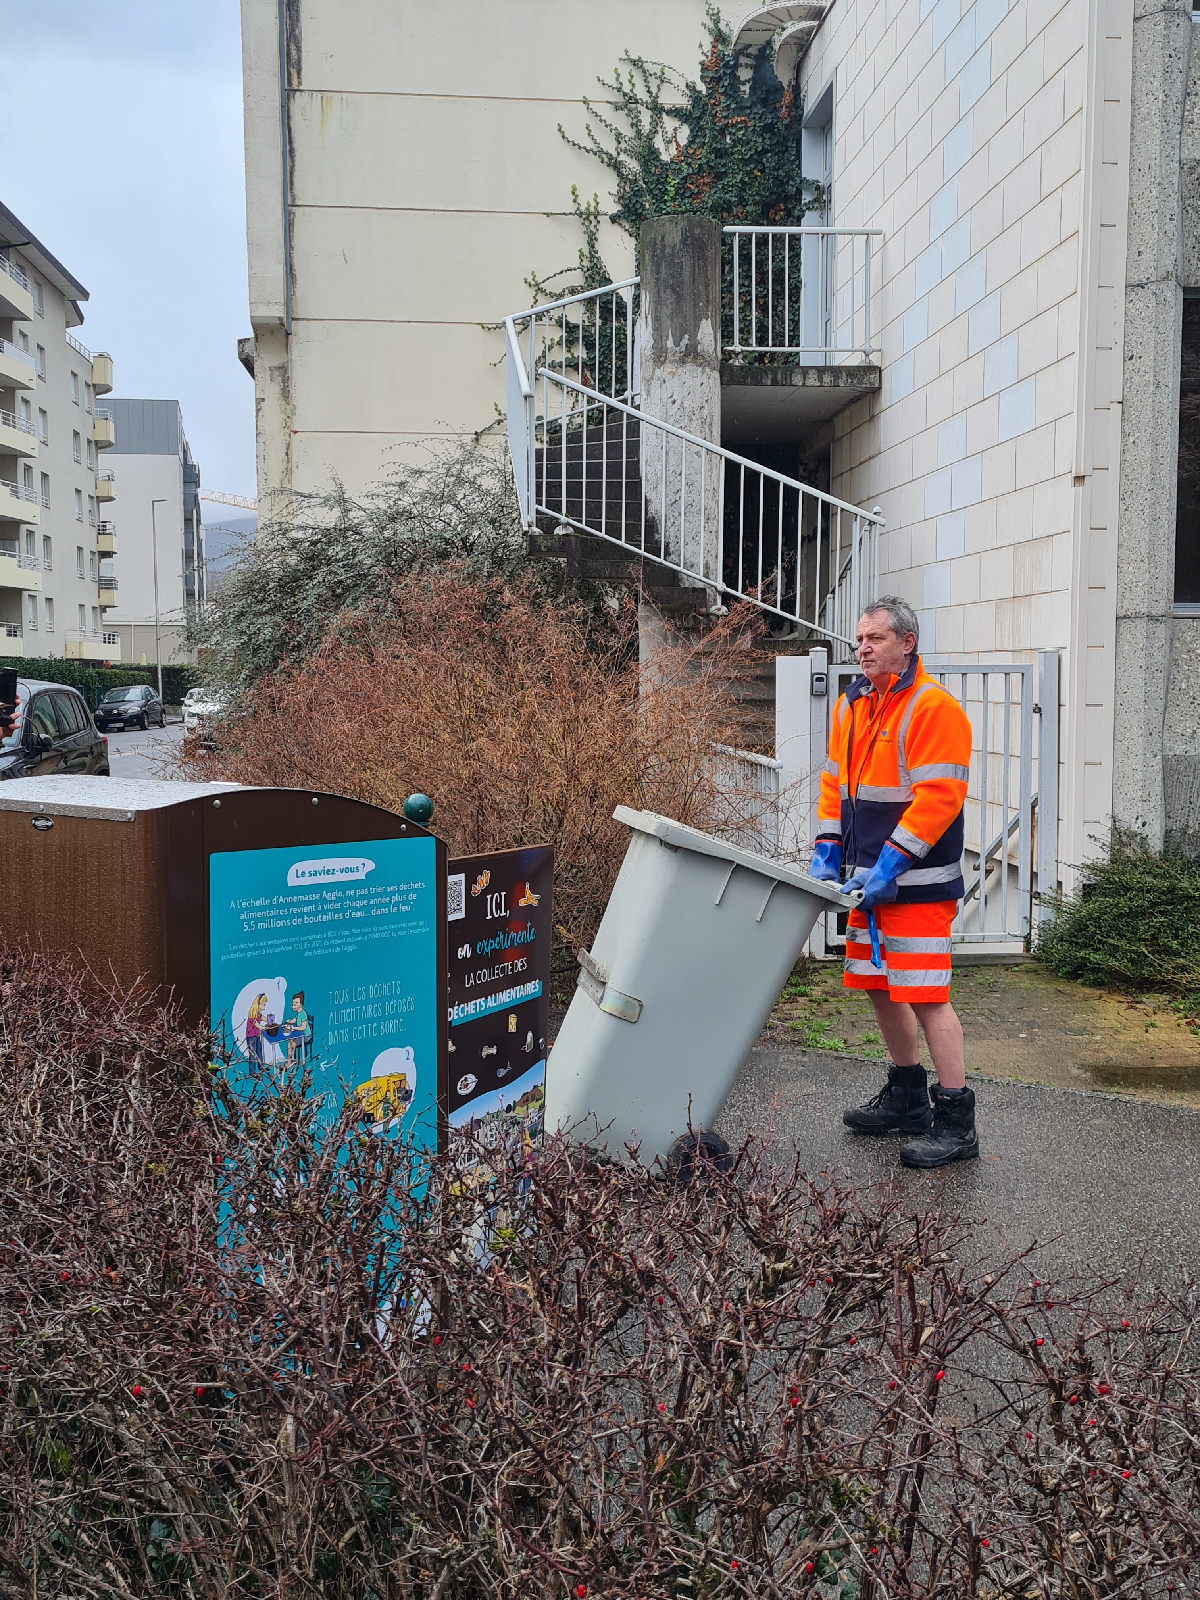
(943, 1033)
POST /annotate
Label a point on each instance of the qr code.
(456, 897)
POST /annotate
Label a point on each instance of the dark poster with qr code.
(499, 907)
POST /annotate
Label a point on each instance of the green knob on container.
(418, 808)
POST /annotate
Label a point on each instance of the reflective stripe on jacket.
(897, 771)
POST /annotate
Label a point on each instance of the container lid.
(681, 837)
(111, 799)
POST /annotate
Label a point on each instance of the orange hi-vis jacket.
(897, 773)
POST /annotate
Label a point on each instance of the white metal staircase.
(587, 457)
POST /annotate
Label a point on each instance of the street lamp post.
(154, 549)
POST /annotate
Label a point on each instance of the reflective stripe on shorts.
(914, 949)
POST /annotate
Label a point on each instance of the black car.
(54, 733)
(134, 707)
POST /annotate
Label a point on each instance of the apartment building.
(994, 345)
(161, 565)
(55, 493)
(415, 187)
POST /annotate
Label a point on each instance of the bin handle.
(593, 980)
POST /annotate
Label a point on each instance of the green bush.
(1135, 923)
(93, 682)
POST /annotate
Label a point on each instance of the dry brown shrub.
(521, 725)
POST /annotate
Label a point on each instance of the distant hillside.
(223, 535)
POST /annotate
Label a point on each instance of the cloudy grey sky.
(125, 159)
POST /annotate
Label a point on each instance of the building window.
(31, 623)
(28, 475)
(1187, 495)
(49, 615)
(28, 541)
(47, 553)
(23, 340)
(75, 387)
(91, 456)
(45, 488)
(95, 619)
(76, 445)
(79, 559)
(87, 395)
(91, 511)
(92, 565)
(43, 427)
(79, 505)
(83, 619)
(39, 305)
(41, 361)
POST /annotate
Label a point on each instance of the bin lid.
(680, 837)
(111, 799)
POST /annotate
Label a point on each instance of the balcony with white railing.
(17, 369)
(82, 644)
(18, 435)
(18, 570)
(106, 487)
(12, 640)
(106, 538)
(104, 430)
(16, 291)
(797, 334)
(18, 502)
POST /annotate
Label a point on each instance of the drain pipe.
(285, 157)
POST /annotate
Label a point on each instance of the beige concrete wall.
(428, 179)
(990, 142)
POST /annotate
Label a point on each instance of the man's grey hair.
(902, 618)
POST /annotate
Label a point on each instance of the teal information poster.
(325, 958)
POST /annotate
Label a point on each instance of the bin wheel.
(694, 1152)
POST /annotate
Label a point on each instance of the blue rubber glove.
(878, 883)
(826, 865)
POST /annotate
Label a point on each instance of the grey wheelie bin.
(695, 945)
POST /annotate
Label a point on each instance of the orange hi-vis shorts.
(914, 948)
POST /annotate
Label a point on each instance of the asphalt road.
(145, 755)
(1095, 1178)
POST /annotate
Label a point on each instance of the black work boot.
(952, 1137)
(901, 1106)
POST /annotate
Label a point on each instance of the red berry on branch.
(1125, 1474)
(1029, 1436)
(1091, 1422)
(733, 1566)
(853, 1340)
(1103, 1388)
(874, 1550)
(581, 1590)
(660, 1299)
(1124, 1322)
(466, 1366)
(891, 1383)
(199, 1391)
(985, 1543)
(137, 1391)
(939, 1375)
(661, 1407)
(65, 1276)
(1049, 1305)
(437, 1338)
(1074, 1400)
(808, 1566)
(1041, 1341)
(828, 1280)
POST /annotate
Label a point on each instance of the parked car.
(136, 706)
(199, 706)
(53, 733)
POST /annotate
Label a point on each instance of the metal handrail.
(12, 630)
(107, 476)
(20, 491)
(21, 424)
(103, 414)
(82, 348)
(106, 583)
(15, 273)
(793, 295)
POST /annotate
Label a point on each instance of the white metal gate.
(1011, 812)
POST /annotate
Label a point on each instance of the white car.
(199, 705)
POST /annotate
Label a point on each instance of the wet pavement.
(1098, 1179)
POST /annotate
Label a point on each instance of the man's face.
(881, 651)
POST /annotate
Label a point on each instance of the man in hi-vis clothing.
(890, 821)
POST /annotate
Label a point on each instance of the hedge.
(92, 681)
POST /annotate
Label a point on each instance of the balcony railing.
(110, 638)
(19, 491)
(25, 357)
(15, 273)
(103, 414)
(82, 348)
(9, 419)
(106, 583)
(107, 530)
(799, 291)
(107, 476)
(10, 630)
